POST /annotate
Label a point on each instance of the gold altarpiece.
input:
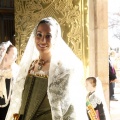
(71, 14)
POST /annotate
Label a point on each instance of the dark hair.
(51, 22)
(42, 22)
(8, 49)
(45, 21)
(48, 21)
(92, 80)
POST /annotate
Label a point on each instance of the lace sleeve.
(58, 89)
(66, 93)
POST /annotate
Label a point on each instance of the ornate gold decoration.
(71, 14)
(41, 63)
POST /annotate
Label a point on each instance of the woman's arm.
(66, 94)
(59, 94)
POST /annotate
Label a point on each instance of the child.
(94, 104)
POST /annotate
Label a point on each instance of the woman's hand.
(16, 116)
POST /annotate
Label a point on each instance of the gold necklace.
(41, 63)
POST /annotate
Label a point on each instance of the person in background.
(8, 72)
(95, 102)
(112, 76)
(117, 66)
(49, 85)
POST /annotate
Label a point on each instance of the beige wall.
(98, 42)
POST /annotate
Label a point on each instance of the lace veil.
(6, 73)
(61, 54)
(100, 94)
(3, 49)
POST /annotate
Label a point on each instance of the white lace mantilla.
(59, 95)
(94, 100)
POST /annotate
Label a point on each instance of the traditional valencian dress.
(6, 80)
(60, 88)
(35, 104)
(95, 108)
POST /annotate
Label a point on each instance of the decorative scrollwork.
(69, 13)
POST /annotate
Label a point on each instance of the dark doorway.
(7, 26)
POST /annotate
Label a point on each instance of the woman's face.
(11, 55)
(44, 37)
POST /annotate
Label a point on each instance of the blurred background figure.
(8, 73)
(112, 74)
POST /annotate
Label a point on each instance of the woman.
(96, 106)
(50, 78)
(8, 56)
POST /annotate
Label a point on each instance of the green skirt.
(35, 104)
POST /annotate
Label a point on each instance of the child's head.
(91, 84)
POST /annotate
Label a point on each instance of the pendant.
(39, 67)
